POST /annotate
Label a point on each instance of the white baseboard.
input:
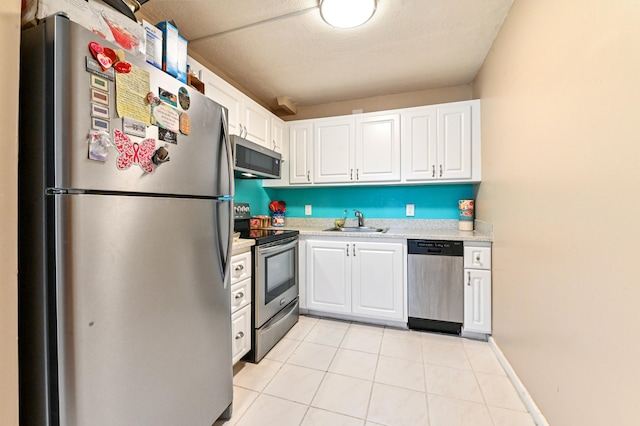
(528, 401)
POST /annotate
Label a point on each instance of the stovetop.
(242, 214)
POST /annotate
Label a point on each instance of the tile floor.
(326, 372)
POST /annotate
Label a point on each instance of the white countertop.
(425, 234)
(242, 246)
(396, 228)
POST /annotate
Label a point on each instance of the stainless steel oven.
(276, 293)
(276, 277)
(274, 282)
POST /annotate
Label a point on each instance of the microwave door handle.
(278, 247)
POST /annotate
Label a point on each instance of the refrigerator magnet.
(92, 66)
(133, 152)
(183, 98)
(185, 124)
(99, 111)
(134, 127)
(98, 146)
(166, 135)
(100, 83)
(167, 96)
(99, 124)
(99, 96)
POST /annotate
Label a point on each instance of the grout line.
(526, 397)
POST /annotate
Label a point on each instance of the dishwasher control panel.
(435, 247)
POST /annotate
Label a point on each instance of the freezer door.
(144, 328)
(64, 103)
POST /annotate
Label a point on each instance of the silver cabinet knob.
(240, 295)
(240, 335)
(239, 268)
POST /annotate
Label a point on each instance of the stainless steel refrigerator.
(124, 305)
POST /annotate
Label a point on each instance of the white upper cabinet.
(378, 148)
(454, 142)
(441, 143)
(333, 150)
(256, 123)
(301, 153)
(277, 134)
(357, 149)
(246, 117)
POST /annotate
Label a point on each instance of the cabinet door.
(419, 144)
(333, 151)
(240, 267)
(377, 148)
(300, 153)
(240, 333)
(226, 95)
(378, 280)
(258, 123)
(277, 134)
(328, 271)
(454, 142)
(477, 301)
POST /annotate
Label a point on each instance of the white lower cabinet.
(477, 288)
(240, 305)
(240, 333)
(356, 277)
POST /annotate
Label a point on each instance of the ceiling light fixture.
(347, 13)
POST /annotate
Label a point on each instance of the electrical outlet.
(411, 210)
(307, 209)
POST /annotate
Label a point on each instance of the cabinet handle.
(357, 174)
(308, 178)
(351, 174)
(477, 257)
(440, 170)
(354, 250)
(239, 268)
(240, 335)
(347, 250)
(433, 170)
(240, 295)
(274, 145)
(245, 131)
(469, 278)
(241, 129)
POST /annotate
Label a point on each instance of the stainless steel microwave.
(253, 161)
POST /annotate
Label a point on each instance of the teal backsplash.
(431, 201)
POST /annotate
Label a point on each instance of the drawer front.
(241, 333)
(477, 257)
(240, 267)
(240, 294)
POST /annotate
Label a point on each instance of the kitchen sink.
(357, 229)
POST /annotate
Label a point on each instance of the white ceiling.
(283, 47)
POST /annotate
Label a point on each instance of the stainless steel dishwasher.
(436, 285)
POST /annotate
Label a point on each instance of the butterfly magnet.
(133, 152)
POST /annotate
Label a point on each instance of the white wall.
(560, 94)
(9, 69)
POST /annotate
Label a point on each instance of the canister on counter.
(466, 215)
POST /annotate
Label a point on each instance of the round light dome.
(347, 13)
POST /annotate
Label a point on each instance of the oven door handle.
(277, 247)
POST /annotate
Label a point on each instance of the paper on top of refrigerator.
(95, 15)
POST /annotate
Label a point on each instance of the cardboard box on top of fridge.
(169, 47)
(95, 15)
(154, 44)
(182, 59)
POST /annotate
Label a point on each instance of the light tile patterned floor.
(330, 373)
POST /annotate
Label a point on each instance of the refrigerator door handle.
(227, 253)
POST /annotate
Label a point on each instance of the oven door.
(276, 277)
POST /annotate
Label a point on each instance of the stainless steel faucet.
(360, 218)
